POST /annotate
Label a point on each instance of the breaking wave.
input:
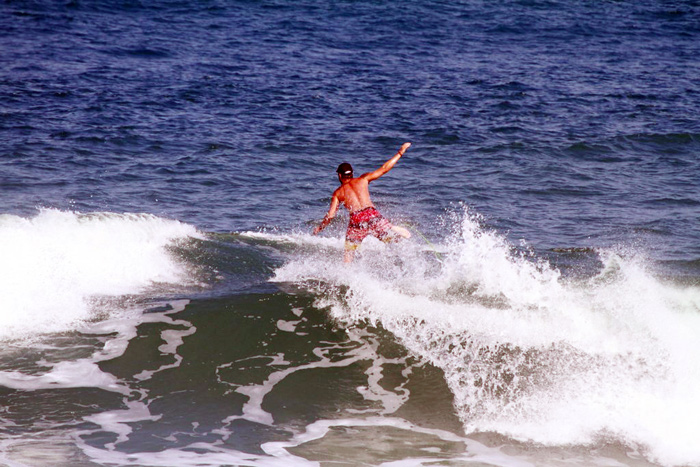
(526, 351)
(57, 264)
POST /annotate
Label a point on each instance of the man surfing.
(364, 218)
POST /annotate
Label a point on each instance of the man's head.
(344, 170)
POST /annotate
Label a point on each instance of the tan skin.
(354, 194)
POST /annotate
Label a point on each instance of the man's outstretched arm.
(329, 216)
(388, 165)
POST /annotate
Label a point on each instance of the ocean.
(163, 301)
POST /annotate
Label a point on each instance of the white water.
(54, 265)
(527, 353)
(53, 447)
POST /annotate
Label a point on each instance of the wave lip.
(56, 264)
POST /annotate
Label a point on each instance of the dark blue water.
(571, 128)
(558, 120)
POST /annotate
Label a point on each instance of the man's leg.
(349, 255)
(350, 248)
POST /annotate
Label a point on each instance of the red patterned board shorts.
(366, 222)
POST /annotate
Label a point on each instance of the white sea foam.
(526, 352)
(474, 452)
(55, 263)
(85, 372)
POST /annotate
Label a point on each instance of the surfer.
(364, 218)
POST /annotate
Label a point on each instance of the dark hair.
(345, 170)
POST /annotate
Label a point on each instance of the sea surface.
(164, 303)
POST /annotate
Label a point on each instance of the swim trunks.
(366, 222)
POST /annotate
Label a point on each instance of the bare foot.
(400, 230)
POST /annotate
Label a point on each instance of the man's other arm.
(329, 216)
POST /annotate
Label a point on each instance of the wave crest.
(57, 262)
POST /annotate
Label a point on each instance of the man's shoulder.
(338, 192)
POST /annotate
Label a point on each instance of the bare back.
(354, 193)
